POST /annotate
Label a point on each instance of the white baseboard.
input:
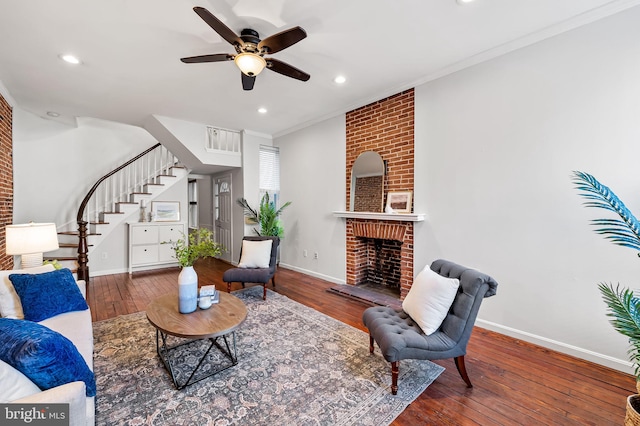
(608, 361)
(312, 273)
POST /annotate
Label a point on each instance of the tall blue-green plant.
(623, 306)
(624, 231)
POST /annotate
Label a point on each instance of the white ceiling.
(131, 48)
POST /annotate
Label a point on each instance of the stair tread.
(60, 258)
(147, 184)
(69, 245)
(167, 176)
(141, 193)
(112, 212)
(74, 233)
(98, 223)
(126, 202)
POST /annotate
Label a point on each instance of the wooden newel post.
(83, 258)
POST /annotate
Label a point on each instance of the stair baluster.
(115, 187)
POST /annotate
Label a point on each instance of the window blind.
(269, 169)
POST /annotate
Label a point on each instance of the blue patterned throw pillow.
(45, 356)
(46, 295)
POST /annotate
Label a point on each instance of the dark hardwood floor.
(515, 383)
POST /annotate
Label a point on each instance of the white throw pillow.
(15, 385)
(255, 254)
(429, 299)
(10, 306)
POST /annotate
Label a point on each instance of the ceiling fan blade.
(218, 57)
(286, 69)
(247, 82)
(282, 40)
(217, 25)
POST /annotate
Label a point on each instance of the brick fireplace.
(380, 246)
(390, 264)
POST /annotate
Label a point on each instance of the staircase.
(115, 198)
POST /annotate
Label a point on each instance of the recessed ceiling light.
(262, 110)
(53, 114)
(464, 1)
(340, 79)
(70, 59)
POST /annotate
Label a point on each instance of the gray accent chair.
(255, 275)
(399, 337)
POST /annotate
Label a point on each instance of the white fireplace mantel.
(400, 217)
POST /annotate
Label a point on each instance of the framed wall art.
(400, 202)
(165, 211)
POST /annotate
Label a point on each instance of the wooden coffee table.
(217, 322)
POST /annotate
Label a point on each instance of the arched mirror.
(367, 183)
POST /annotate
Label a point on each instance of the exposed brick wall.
(386, 127)
(370, 196)
(6, 178)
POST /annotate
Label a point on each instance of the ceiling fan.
(251, 50)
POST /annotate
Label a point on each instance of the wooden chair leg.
(370, 344)
(462, 370)
(264, 291)
(394, 377)
(273, 281)
(228, 287)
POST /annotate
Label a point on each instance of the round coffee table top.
(220, 319)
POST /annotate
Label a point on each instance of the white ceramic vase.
(187, 290)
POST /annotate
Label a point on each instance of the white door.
(222, 214)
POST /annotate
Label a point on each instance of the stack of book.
(210, 291)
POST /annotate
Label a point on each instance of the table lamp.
(30, 240)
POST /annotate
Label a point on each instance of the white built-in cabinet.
(151, 243)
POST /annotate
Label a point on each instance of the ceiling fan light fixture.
(250, 64)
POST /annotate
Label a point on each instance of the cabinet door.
(144, 254)
(144, 235)
(166, 253)
(171, 233)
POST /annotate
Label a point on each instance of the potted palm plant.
(267, 216)
(198, 245)
(623, 307)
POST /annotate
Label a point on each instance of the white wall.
(495, 147)
(55, 164)
(312, 163)
(497, 144)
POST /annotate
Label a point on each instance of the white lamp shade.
(250, 64)
(31, 238)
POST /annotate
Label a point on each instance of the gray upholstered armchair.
(399, 337)
(255, 275)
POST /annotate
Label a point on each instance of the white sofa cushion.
(14, 384)
(10, 306)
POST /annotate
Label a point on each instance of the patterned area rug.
(296, 366)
